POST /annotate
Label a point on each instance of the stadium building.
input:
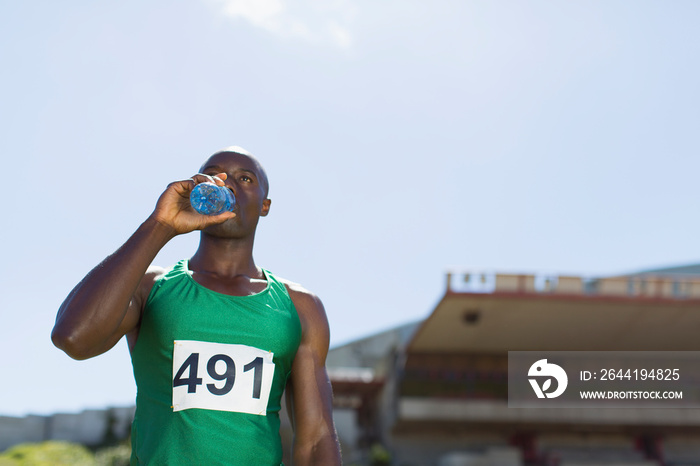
(435, 392)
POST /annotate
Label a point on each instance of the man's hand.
(174, 211)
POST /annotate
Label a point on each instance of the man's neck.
(224, 257)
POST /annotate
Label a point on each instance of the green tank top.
(210, 370)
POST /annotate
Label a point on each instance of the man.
(214, 340)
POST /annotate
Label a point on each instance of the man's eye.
(246, 178)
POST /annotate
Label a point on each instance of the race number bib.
(221, 377)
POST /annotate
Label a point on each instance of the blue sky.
(402, 139)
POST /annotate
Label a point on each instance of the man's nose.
(231, 184)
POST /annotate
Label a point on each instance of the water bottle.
(210, 199)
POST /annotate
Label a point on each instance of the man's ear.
(265, 207)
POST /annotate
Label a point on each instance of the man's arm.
(315, 439)
(107, 303)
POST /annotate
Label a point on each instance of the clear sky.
(401, 138)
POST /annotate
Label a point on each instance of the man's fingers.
(217, 179)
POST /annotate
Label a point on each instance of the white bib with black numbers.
(221, 377)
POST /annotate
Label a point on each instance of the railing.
(629, 286)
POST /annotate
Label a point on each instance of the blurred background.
(403, 140)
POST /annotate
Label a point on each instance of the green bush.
(113, 456)
(51, 453)
(379, 456)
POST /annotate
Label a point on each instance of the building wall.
(90, 427)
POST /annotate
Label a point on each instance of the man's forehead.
(237, 158)
(226, 158)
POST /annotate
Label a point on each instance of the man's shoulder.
(156, 271)
(312, 314)
(148, 281)
(294, 287)
(153, 274)
(304, 300)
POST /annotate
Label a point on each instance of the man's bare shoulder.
(300, 295)
(155, 272)
(152, 275)
(308, 305)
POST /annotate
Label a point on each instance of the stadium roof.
(626, 313)
(691, 269)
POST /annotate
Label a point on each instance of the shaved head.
(239, 150)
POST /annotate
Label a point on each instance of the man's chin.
(228, 229)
